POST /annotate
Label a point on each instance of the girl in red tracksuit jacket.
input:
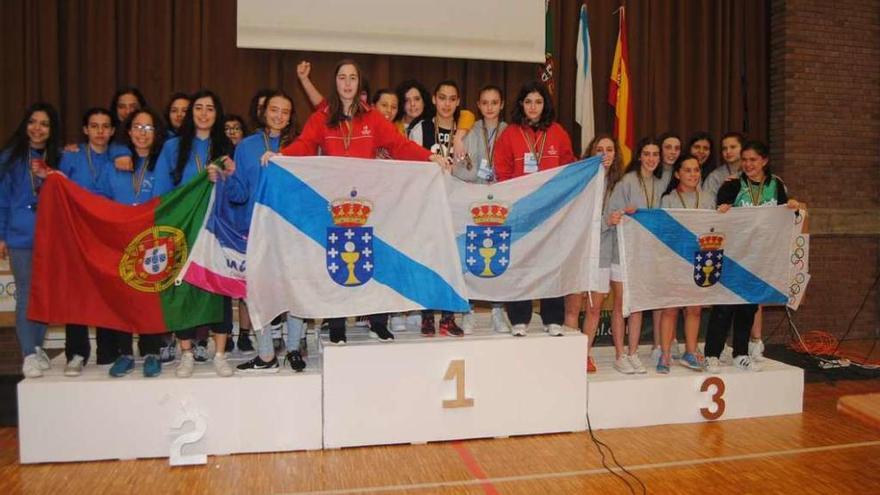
(349, 128)
(533, 142)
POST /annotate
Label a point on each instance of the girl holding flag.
(532, 142)
(756, 187)
(84, 165)
(202, 140)
(479, 166)
(640, 187)
(145, 130)
(28, 155)
(277, 115)
(684, 191)
(605, 145)
(348, 127)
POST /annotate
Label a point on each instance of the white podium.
(686, 396)
(95, 417)
(414, 390)
(420, 389)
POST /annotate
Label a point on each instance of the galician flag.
(583, 96)
(620, 93)
(684, 257)
(335, 237)
(217, 261)
(100, 263)
(531, 237)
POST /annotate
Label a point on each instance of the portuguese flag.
(100, 263)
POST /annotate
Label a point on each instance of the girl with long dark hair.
(28, 155)
(202, 140)
(640, 187)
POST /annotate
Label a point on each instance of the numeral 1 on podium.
(455, 371)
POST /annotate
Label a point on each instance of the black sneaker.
(200, 352)
(381, 332)
(428, 329)
(257, 365)
(337, 335)
(295, 361)
(244, 343)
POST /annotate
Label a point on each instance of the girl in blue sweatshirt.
(31, 152)
(145, 131)
(250, 154)
(83, 164)
(201, 140)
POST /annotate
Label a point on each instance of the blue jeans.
(30, 333)
(295, 327)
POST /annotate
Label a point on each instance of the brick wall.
(824, 134)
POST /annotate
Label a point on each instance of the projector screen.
(509, 30)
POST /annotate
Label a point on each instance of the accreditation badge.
(530, 163)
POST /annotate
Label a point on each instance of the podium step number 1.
(455, 371)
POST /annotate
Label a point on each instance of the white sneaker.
(42, 358)
(555, 330)
(499, 320)
(636, 364)
(623, 365)
(398, 323)
(186, 365)
(675, 350)
(31, 367)
(746, 363)
(414, 322)
(468, 322)
(74, 366)
(726, 357)
(656, 353)
(713, 365)
(520, 330)
(222, 366)
(756, 350)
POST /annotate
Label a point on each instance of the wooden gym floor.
(819, 451)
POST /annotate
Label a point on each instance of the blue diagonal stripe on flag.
(683, 242)
(310, 214)
(532, 210)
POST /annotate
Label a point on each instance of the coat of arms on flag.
(708, 260)
(488, 242)
(349, 245)
(151, 261)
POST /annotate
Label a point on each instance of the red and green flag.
(97, 262)
(547, 69)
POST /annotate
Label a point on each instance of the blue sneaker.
(662, 366)
(123, 366)
(152, 366)
(690, 360)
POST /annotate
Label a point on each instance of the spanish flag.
(619, 95)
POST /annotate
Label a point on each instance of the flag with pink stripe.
(217, 260)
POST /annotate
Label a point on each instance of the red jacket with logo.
(369, 131)
(512, 146)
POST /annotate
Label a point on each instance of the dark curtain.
(696, 64)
